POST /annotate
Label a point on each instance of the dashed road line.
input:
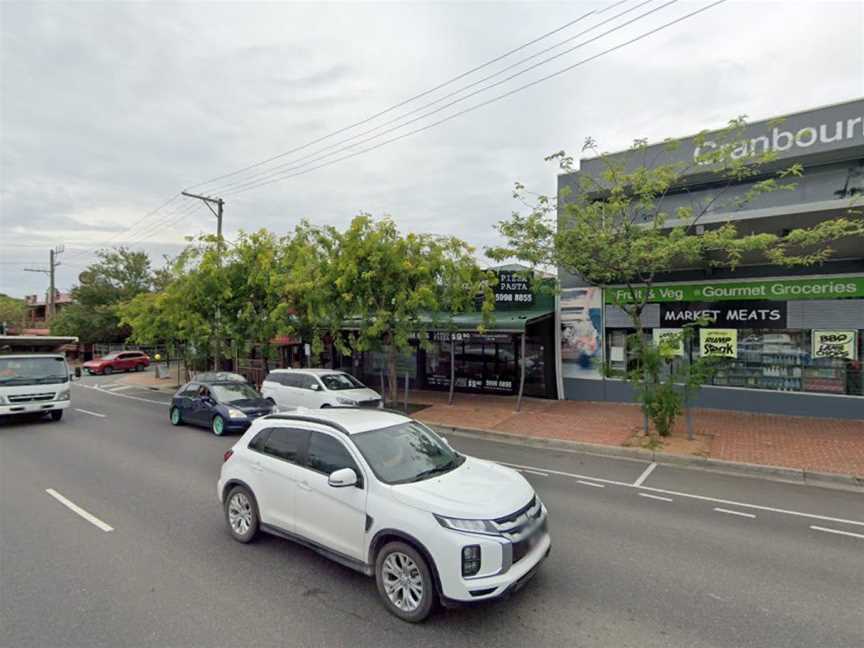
(702, 498)
(838, 532)
(83, 411)
(738, 513)
(656, 497)
(533, 472)
(641, 479)
(92, 519)
(589, 483)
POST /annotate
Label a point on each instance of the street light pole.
(220, 204)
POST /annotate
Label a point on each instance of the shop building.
(793, 338)
(489, 362)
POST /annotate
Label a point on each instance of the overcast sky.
(109, 109)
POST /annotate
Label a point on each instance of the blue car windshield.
(233, 392)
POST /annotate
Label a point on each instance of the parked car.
(383, 494)
(222, 406)
(314, 388)
(219, 376)
(118, 361)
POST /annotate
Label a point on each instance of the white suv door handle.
(304, 486)
(257, 467)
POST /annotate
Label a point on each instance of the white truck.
(34, 375)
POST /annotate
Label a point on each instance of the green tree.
(616, 230)
(118, 276)
(12, 311)
(391, 284)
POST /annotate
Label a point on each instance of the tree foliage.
(616, 229)
(12, 311)
(117, 277)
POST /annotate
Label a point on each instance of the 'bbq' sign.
(834, 344)
(728, 314)
(718, 343)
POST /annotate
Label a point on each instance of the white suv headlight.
(470, 526)
(235, 413)
(345, 401)
(62, 395)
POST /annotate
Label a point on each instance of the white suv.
(383, 494)
(317, 388)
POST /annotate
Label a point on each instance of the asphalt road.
(626, 569)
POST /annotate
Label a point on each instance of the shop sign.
(718, 343)
(670, 340)
(773, 290)
(513, 288)
(834, 344)
(762, 314)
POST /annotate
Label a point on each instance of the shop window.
(773, 359)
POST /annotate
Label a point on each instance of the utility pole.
(50, 304)
(209, 201)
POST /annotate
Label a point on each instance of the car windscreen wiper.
(450, 465)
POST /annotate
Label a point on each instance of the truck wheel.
(56, 415)
(404, 582)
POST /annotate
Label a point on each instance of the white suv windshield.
(335, 382)
(405, 453)
(33, 371)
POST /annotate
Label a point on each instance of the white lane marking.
(110, 393)
(644, 475)
(533, 472)
(657, 497)
(92, 519)
(701, 498)
(838, 532)
(588, 483)
(115, 388)
(83, 411)
(728, 512)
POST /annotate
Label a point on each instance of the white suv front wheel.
(405, 582)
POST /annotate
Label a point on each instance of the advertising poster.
(834, 344)
(581, 333)
(671, 339)
(719, 343)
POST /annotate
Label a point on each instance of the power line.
(314, 157)
(389, 109)
(484, 103)
(108, 241)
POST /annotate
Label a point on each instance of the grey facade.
(778, 370)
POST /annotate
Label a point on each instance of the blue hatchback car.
(223, 406)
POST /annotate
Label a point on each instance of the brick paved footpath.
(822, 445)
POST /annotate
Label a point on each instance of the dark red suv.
(118, 361)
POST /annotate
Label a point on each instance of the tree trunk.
(392, 379)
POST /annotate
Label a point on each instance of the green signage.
(776, 290)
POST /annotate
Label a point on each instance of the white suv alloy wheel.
(402, 581)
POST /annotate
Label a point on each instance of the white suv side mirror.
(315, 387)
(342, 478)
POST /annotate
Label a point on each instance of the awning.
(505, 321)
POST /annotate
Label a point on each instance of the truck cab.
(33, 380)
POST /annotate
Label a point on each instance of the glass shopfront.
(486, 363)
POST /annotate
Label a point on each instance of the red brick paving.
(823, 445)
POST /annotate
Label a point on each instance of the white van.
(315, 388)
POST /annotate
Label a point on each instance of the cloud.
(108, 109)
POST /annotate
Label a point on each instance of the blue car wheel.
(176, 416)
(218, 425)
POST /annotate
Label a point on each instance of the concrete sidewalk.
(805, 444)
